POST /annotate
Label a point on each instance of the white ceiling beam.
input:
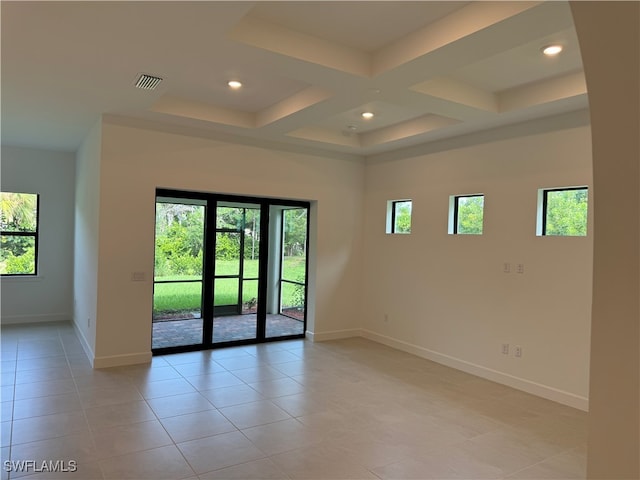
(324, 135)
(292, 105)
(533, 22)
(450, 29)
(181, 107)
(458, 92)
(267, 36)
(526, 96)
(410, 128)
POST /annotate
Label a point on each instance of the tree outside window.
(19, 233)
(565, 212)
(469, 214)
(401, 222)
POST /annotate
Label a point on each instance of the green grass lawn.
(187, 296)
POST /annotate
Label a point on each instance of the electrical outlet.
(518, 351)
(386, 318)
(505, 349)
(138, 277)
(506, 267)
(520, 268)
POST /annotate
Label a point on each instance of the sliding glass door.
(178, 273)
(288, 313)
(236, 272)
(228, 270)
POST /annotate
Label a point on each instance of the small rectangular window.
(19, 233)
(466, 214)
(563, 211)
(399, 216)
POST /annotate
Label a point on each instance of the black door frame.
(208, 273)
(237, 307)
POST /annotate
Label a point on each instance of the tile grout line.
(13, 403)
(347, 365)
(82, 407)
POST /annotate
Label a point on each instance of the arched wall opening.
(609, 38)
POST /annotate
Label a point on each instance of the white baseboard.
(544, 391)
(86, 346)
(111, 360)
(540, 390)
(332, 335)
(38, 318)
(122, 360)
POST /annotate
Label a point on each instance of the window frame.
(543, 194)
(281, 269)
(391, 216)
(454, 207)
(35, 234)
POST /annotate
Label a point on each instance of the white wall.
(136, 161)
(87, 228)
(614, 97)
(47, 296)
(446, 296)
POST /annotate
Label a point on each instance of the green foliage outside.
(295, 231)
(179, 235)
(470, 215)
(402, 217)
(19, 264)
(293, 267)
(179, 255)
(227, 246)
(173, 298)
(18, 213)
(567, 212)
(180, 232)
(245, 221)
(293, 293)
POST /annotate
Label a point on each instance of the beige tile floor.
(348, 409)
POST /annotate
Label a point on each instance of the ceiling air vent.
(148, 82)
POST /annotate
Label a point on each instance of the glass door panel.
(217, 280)
(249, 297)
(236, 272)
(226, 295)
(178, 274)
(229, 217)
(227, 254)
(292, 300)
(289, 318)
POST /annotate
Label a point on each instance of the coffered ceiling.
(427, 70)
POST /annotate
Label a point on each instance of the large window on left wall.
(18, 233)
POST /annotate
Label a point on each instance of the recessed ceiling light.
(552, 50)
(367, 115)
(235, 84)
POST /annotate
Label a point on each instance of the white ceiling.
(428, 70)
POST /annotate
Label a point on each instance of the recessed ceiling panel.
(366, 26)
(523, 64)
(259, 90)
(309, 69)
(385, 114)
